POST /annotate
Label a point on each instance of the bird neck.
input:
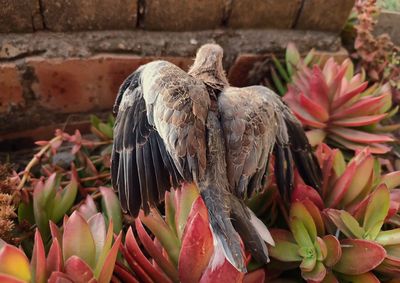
(212, 75)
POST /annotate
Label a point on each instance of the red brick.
(324, 15)
(181, 15)
(10, 87)
(19, 16)
(85, 84)
(62, 15)
(244, 63)
(263, 13)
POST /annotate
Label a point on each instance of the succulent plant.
(80, 252)
(337, 106)
(182, 249)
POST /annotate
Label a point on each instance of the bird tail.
(227, 242)
(231, 223)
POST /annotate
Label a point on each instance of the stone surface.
(324, 15)
(84, 84)
(389, 22)
(10, 87)
(263, 13)
(72, 15)
(19, 16)
(179, 15)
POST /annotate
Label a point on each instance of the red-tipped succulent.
(338, 107)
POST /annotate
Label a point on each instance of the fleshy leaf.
(392, 179)
(108, 266)
(334, 251)
(317, 274)
(111, 208)
(377, 210)
(184, 199)
(68, 195)
(38, 261)
(300, 212)
(54, 261)
(78, 240)
(285, 248)
(353, 250)
(197, 249)
(13, 262)
(78, 270)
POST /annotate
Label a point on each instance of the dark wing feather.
(159, 134)
(255, 122)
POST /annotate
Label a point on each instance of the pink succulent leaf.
(134, 265)
(375, 148)
(59, 277)
(317, 274)
(111, 207)
(54, 261)
(314, 108)
(303, 192)
(184, 199)
(225, 272)
(125, 275)
(367, 277)
(315, 136)
(360, 136)
(78, 270)
(339, 101)
(109, 263)
(334, 251)
(392, 180)
(359, 121)
(38, 260)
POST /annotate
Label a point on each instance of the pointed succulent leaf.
(155, 252)
(124, 274)
(360, 136)
(300, 212)
(14, 263)
(88, 208)
(58, 277)
(170, 210)
(137, 255)
(108, 265)
(103, 241)
(375, 148)
(300, 233)
(38, 261)
(316, 215)
(292, 56)
(54, 261)
(78, 240)
(197, 249)
(334, 251)
(336, 217)
(340, 187)
(97, 227)
(184, 199)
(10, 279)
(280, 69)
(352, 224)
(40, 211)
(377, 210)
(112, 208)
(106, 129)
(163, 233)
(67, 199)
(353, 250)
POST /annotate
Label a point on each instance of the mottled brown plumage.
(174, 126)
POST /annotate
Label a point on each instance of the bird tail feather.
(226, 239)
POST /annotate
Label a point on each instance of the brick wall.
(63, 59)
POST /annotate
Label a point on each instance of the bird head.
(208, 65)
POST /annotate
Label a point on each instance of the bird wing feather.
(255, 123)
(159, 134)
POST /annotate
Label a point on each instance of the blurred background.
(61, 61)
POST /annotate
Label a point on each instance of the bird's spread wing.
(255, 123)
(159, 134)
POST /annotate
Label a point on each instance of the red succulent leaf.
(367, 277)
(155, 252)
(13, 262)
(54, 261)
(134, 250)
(59, 277)
(122, 273)
(372, 255)
(317, 274)
(375, 148)
(302, 192)
(78, 270)
(360, 136)
(319, 90)
(197, 249)
(135, 266)
(340, 187)
(349, 95)
(109, 263)
(314, 108)
(359, 121)
(38, 261)
(226, 272)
